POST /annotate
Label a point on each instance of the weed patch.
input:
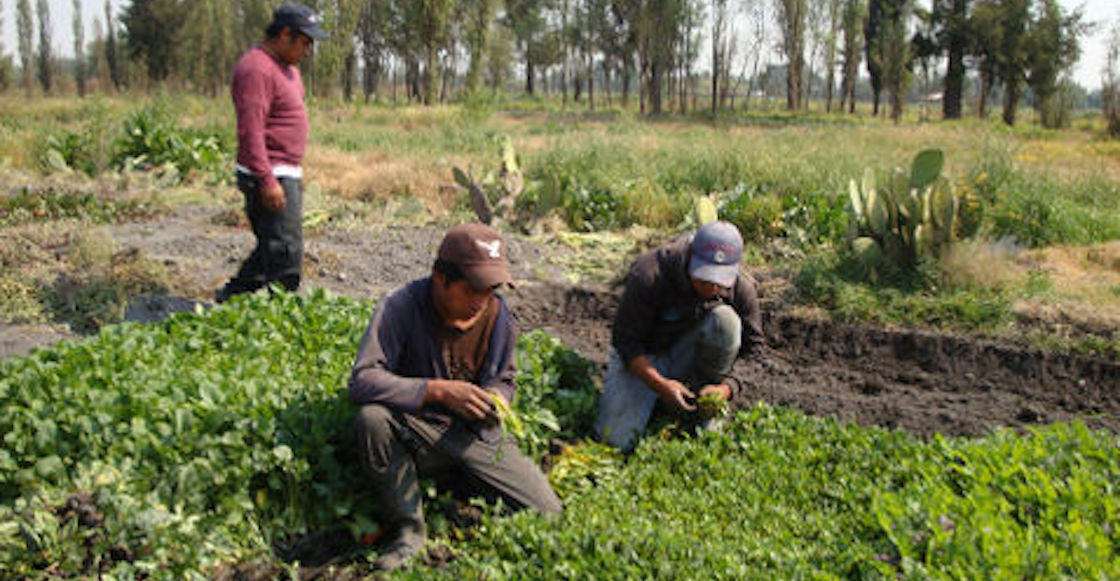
(95, 290)
(38, 206)
(781, 495)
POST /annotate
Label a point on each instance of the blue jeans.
(699, 357)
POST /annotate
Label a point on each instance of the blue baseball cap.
(299, 18)
(715, 252)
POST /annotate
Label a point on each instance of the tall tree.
(1054, 47)
(950, 18)
(24, 27)
(112, 52)
(720, 49)
(1011, 63)
(1110, 90)
(5, 62)
(757, 19)
(431, 19)
(792, 15)
(874, 48)
(816, 33)
(855, 11)
(897, 53)
(46, 58)
(526, 19)
(659, 25)
(835, 14)
(480, 17)
(373, 25)
(349, 12)
(253, 17)
(152, 33)
(985, 37)
(80, 65)
(207, 58)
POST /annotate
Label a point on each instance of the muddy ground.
(920, 381)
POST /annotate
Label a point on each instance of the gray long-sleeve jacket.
(400, 352)
(659, 305)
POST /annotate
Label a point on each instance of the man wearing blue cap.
(685, 315)
(272, 130)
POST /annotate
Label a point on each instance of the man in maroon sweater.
(272, 130)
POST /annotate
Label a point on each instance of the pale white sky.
(1087, 72)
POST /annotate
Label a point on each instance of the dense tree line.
(595, 51)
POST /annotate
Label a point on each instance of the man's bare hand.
(722, 389)
(465, 399)
(272, 198)
(677, 395)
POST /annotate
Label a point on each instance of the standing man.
(435, 353)
(271, 138)
(685, 315)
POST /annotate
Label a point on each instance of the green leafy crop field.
(167, 450)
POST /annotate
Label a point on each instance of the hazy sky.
(1087, 72)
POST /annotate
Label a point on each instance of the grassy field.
(1042, 255)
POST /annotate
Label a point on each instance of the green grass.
(779, 177)
(915, 299)
(779, 495)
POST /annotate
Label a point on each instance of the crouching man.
(685, 315)
(435, 353)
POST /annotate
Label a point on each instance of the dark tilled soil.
(923, 382)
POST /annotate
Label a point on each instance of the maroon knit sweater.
(271, 118)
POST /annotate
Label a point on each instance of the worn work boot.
(407, 543)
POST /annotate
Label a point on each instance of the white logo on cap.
(313, 19)
(720, 256)
(493, 248)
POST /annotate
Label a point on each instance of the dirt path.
(922, 382)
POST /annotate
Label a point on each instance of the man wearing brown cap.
(433, 356)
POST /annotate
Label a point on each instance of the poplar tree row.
(593, 51)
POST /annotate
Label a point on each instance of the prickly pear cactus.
(494, 196)
(705, 210)
(913, 214)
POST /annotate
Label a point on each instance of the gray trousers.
(278, 255)
(397, 448)
(701, 356)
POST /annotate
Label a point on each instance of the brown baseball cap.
(480, 253)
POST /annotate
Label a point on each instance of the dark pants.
(279, 251)
(397, 448)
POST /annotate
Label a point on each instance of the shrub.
(152, 139)
(89, 149)
(757, 215)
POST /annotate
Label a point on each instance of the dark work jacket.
(401, 351)
(659, 305)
